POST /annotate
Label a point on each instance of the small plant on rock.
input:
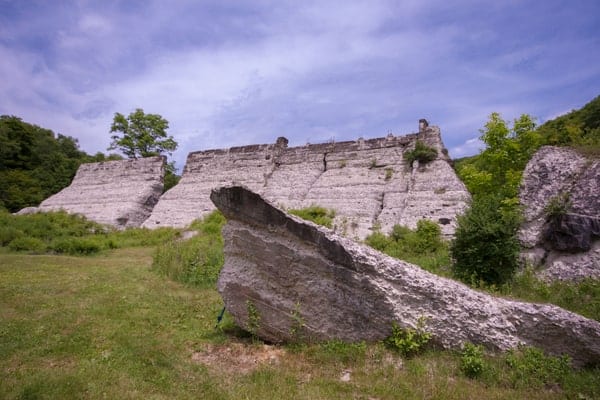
(558, 206)
(422, 152)
(297, 327)
(408, 341)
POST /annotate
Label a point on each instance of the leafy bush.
(408, 341)
(78, 246)
(196, 261)
(29, 244)
(316, 214)
(422, 152)
(423, 246)
(530, 367)
(471, 360)
(485, 247)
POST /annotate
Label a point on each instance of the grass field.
(107, 326)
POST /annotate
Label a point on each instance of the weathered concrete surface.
(367, 182)
(291, 270)
(564, 247)
(119, 193)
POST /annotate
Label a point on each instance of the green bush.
(423, 246)
(8, 234)
(407, 341)
(530, 367)
(29, 244)
(471, 360)
(78, 246)
(485, 247)
(422, 152)
(316, 214)
(196, 261)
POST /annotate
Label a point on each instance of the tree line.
(36, 163)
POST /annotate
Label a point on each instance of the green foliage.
(530, 367)
(341, 352)
(499, 167)
(472, 363)
(389, 172)
(423, 246)
(196, 261)
(578, 128)
(297, 326)
(34, 163)
(253, 323)
(141, 135)
(558, 205)
(64, 233)
(408, 341)
(422, 152)
(581, 297)
(171, 177)
(485, 247)
(27, 244)
(316, 214)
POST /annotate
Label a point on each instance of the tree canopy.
(35, 163)
(141, 135)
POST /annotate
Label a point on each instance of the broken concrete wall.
(119, 193)
(367, 182)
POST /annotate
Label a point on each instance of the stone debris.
(286, 271)
(119, 193)
(567, 247)
(367, 182)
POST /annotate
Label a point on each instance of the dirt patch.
(238, 357)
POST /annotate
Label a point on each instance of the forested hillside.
(36, 163)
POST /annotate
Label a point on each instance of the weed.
(408, 341)
(558, 206)
(530, 367)
(471, 360)
(422, 152)
(253, 323)
(297, 326)
(389, 172)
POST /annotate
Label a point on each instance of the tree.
(141, 135)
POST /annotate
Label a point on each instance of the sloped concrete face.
(287, 270)
(566, 247)
(368, 183)
(118, 193)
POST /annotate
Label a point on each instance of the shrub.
(422, 152)
(408, 341)
(530, 367)
(471, 360)
(318, 215)
(8, 234)
(78, 246)
(423, 246)
(558, 206)
(485, 247)
(29, 244)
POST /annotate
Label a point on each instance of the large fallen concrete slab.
(287, 272)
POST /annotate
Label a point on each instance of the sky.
(229, 73)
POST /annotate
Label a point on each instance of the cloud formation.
(231, 73)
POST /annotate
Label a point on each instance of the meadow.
(125, 323)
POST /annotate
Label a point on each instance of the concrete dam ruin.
(367, 182)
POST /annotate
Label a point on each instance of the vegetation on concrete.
(422, 153)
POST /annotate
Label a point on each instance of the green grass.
(318, 215)
(106, 326)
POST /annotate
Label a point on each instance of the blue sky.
(227, 73)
